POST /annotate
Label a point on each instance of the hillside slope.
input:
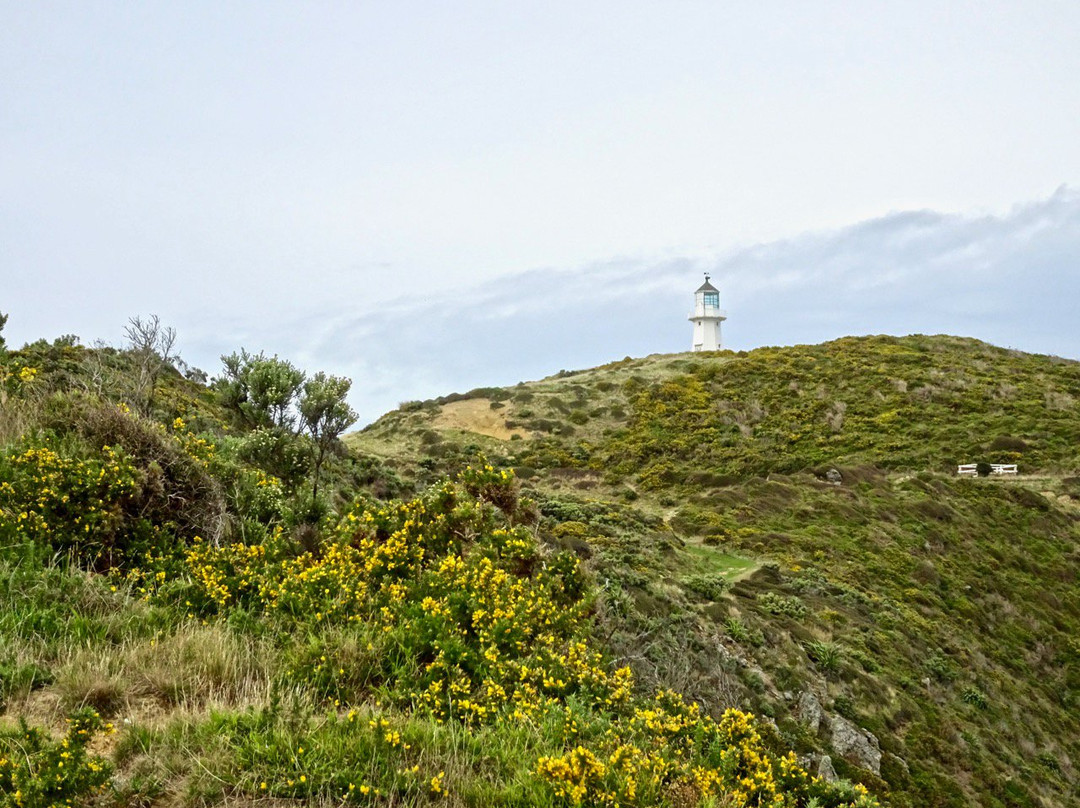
(937, 614)
(205, 599)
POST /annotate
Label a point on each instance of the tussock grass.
(209, 665)
(197, 666)
(17, 417)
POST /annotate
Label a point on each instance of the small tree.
(263, 390)
(232, 388)
(273, 385)
(152, 346)
(324, 416)
(283, 405)
(3, 322)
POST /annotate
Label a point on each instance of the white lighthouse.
(706, 317)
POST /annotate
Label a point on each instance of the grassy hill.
(940, 614)
(717, 580)
(203, 601)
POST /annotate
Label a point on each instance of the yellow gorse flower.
(501, 638)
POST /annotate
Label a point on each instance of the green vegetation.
(913, 403)
(939, 614)
(277, 401)
(37, 771)
(679, 580)
(164, 566)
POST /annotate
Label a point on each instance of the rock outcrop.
(810, 712)
(855, 744)
(826, 771)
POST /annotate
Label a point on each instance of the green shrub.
(736, 629)
(276, 451)
(740, 632)
(788, 605)
(38, 772)
(1049, 761)
(941, 667)
(843, 705)
(710, 587)
(975, 697)
(826, 655)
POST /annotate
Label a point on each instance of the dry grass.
(475, 415)
(17, 416)
(197, 666)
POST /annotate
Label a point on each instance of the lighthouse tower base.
(706, 333)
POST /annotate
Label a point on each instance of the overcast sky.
(431, 196)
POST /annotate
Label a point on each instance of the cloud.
(1012, 280)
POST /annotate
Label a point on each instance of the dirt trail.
(476, 415)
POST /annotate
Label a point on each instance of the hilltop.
(939, 614)
(914, 403)
(695, 579)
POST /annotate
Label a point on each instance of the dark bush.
(176, 490)
(494, 393)
(932, 509)
(429, 437)
(544, 425)
(1006, 443)
(557, 404)
(1029, 499)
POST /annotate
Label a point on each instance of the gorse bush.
(39, 772)
(109, 492)
(442, 606)
(729, 765)
(57, 504)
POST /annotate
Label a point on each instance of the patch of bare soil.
(476, 415)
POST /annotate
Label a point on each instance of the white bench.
(972, 469)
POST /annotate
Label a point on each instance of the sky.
(429, 197)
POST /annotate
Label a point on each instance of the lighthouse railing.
(708, 311)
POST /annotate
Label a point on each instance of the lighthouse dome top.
(706, 287)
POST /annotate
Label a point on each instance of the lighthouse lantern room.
(706, 317)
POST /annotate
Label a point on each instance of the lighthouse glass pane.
(712, 299)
